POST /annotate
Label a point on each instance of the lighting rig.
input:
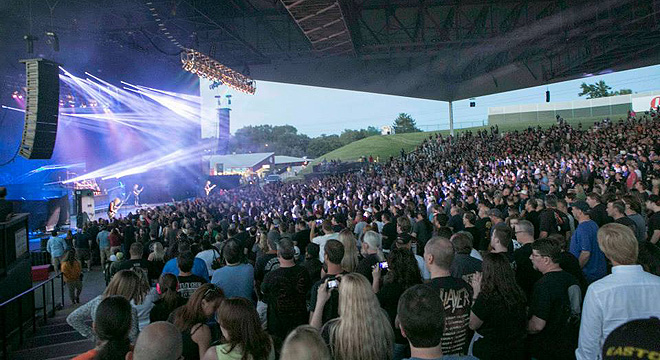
(204, 66)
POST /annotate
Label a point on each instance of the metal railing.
(35, 309)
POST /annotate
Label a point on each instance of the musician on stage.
(136, 194)
(208, 187)
(113, 208)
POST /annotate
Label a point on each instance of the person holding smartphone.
(333, 255)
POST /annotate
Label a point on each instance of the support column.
(451, 118)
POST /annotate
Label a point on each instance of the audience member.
(455, 293)
(628, 293)
(285, 292)
(236, 279)
(498, 312)
(304, 343)
(188, 282)
(191, 320)
(243, 336)
(584, 244)
(372, 253)
(125, 283)
(422, 321)
(158, 341)
(362, 331)
(112, 323)
(169, 298)
(556, 301)
(463, 266)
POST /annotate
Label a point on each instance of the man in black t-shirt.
(464, 266)
(554, 307)
(333, 254)
(136, 262)
(371, 250)
(455, 293)
(285, 291)
(268, 261)
(389, 231)
(526, 275)
(616, 209)
(301, 237)
(653, 228)
(598, 211)
(188, 282)
(551, 220)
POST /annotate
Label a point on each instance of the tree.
(322, 145)
(404, 123)
(600, 89)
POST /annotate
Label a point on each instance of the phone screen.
(333, 284)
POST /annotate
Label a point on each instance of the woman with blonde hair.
(350, 261)
(191, 320)
(363, 330)
(304, 343)
(156, 260)
(125, 283)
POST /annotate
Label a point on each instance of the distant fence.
(457, 125)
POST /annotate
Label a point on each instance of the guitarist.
(113, 208)
(208, 187)
(136, 194)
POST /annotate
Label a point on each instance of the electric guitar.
(208, 189)
(115, 210)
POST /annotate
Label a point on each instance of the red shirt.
(114, 239)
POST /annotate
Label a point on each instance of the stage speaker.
(41, 108)
(84, 207)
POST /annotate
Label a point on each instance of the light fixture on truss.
(205, 67)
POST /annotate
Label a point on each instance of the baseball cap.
(581, 205)
(633, 339)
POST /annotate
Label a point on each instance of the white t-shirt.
(321, 240)
(208, 256)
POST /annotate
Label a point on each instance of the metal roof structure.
(433, 49)
(232, 161)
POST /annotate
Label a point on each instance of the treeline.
(285, 140)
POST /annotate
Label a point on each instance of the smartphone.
(333, 284)
(383, 265)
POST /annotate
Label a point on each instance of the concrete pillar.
(451, 118)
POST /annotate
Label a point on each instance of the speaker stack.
(41, 108)
(84, 207)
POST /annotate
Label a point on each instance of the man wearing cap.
(634, 339)
(584, 244)
(628, 293)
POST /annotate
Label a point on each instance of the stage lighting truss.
(203, 66)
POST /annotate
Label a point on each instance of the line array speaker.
(41, 108)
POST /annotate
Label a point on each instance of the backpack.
(563, 226)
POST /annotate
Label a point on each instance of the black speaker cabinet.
(84, 207)
(41, 108)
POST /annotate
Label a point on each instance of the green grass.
(384, 146)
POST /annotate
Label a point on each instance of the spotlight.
(53, 40)
(205, 67)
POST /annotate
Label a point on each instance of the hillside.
(384, 146)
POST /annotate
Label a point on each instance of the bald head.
(158, 341)
(441, 251)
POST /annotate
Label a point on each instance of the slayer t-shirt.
(456, 297)
(188, 285)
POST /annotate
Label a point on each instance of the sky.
(315, 110)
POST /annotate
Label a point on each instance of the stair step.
(52, 339)
(69, 349)
(51, 329)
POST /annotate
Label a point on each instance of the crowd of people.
(541, 243)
